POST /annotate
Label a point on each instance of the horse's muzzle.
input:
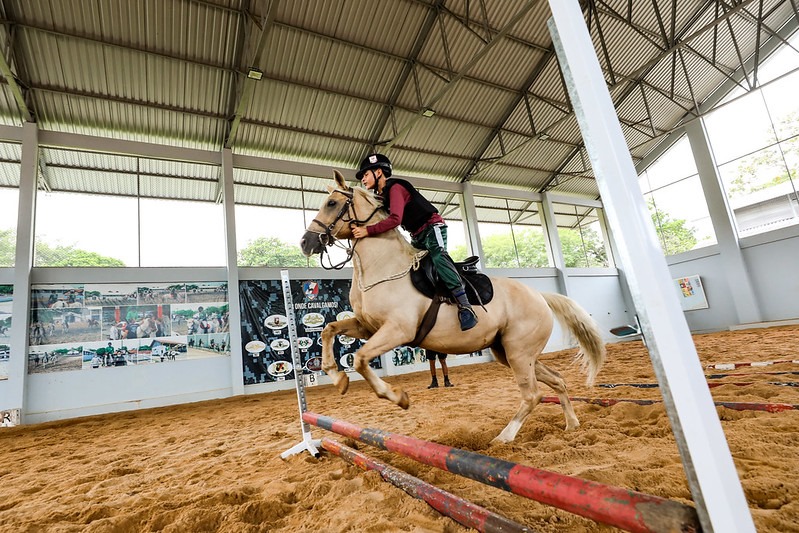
(311, 244)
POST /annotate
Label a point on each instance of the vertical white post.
(307, 443)
(469, 215)
(234, 306)
(554, 244)
(711, 474)
(23, 262)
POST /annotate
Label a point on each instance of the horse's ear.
(340, 181)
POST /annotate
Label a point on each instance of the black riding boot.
(466, 315)
(447, 382)
(434, 384)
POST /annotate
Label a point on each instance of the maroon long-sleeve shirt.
(399, 198)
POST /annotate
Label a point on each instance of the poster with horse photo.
(57, 296)
(6, 301)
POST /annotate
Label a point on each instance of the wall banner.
(266, 347)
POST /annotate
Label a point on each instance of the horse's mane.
(376, 202)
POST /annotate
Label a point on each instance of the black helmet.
(373, 161)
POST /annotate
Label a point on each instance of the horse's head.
(340, 208)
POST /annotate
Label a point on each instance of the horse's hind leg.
(525, 375)
(552, 378)
(350, 327)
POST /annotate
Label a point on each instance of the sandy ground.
(215, 466)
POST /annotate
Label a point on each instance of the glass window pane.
(499, 249)
(581, 237)
(9, 199)
(784, 105)
(731, 137)
(270, 237)
(785, 60)
(81, 230)
(675, 164)
(198, 241)
(760, 192)
(681, 217)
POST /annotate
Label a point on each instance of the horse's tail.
(579, 323)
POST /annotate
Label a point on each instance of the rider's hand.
(359, 232)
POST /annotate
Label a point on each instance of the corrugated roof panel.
(511, 176)
(455, 47)
(94, 116)
(92, 181)
(93, 160)
(295, 146)
(474, 102)
(407, 163)
(494, 66)
(9, 174)
(390, 26)
(159, 167)
(9, 110)
(177, 188)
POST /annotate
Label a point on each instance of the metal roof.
(343, 78)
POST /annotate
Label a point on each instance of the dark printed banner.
(266, 349)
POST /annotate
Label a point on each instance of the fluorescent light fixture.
(543, 136)
(428, 112)
(255, 73)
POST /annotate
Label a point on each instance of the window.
(759, 157)
(119, 211)
(673, 192)
(581, 236)
(511, 233)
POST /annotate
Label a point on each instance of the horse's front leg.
(388, 337)
(350, 327)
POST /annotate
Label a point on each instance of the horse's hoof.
(405, 400)
(343, 384)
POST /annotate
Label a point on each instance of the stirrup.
(466, 317)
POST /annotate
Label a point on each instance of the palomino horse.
(516, 324)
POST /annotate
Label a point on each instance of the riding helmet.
(373, 161)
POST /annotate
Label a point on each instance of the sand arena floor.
(215, 466)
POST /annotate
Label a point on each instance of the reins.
(328, 239)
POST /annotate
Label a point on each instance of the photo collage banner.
(266, 346)
(92, 326)
(6, 300)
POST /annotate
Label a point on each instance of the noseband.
(327, 238)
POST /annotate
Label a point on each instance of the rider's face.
(370, 179)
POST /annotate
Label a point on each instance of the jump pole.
(736, 406)
(625, 509)
(462, 511)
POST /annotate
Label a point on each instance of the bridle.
(327, 238)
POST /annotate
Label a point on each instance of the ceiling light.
(543, 136)
(428, 112)
(255, 73)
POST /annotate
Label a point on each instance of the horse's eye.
(331, 203)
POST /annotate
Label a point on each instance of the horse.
(147, 328)
(516, 324)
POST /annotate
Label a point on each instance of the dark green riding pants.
(434, 240)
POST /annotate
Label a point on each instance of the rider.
(407, 207)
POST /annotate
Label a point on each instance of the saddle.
(425, 279)
(478, 286)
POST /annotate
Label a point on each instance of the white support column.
(553, 243)
(23, 262)
(234, 312)
(709, 468)
(469, 215)
(613, 248)
(740, 286)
